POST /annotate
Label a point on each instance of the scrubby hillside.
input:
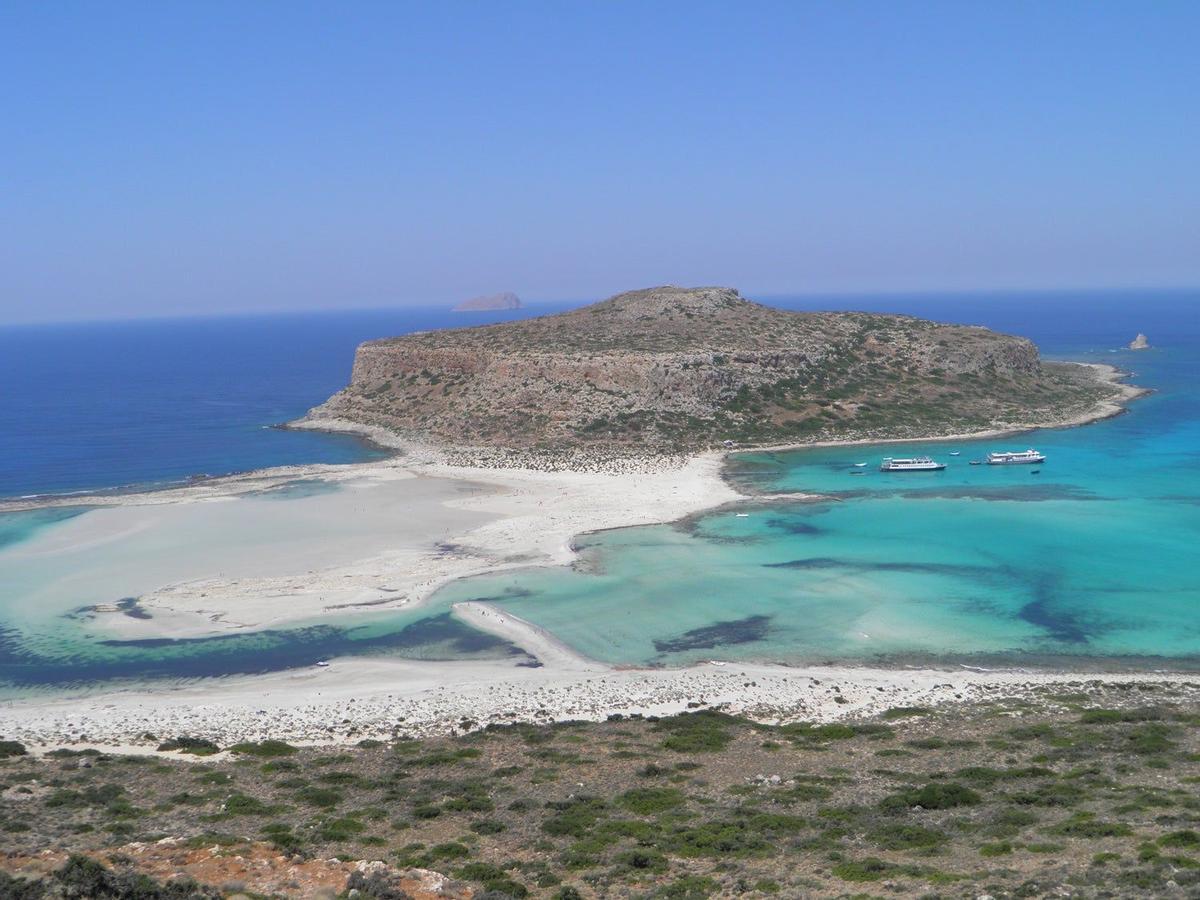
(670, 369)
(1075, 789)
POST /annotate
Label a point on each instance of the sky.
(210, 157)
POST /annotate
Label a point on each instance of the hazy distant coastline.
(489, 303)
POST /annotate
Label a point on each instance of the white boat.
(741, 515)
(911, 464)
(322, 663)
(1015, 457)
(955, 452)
(860, 465)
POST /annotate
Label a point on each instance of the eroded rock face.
(256, 868)
(1139, 343)
(668, 369)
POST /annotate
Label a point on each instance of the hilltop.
(670, 369)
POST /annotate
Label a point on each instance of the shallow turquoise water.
(1093, 554)
(1096, 557)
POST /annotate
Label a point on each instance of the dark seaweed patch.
(511, 593)
(129, 606)
(439, 636)
(829, 562)
(793, 526)
(733, 631)
(1030, 493)
(1043, 612)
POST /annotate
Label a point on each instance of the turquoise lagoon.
(1091, 558)
(1094, 561)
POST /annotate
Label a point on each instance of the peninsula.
(672, 370)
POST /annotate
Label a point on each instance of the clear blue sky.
(189, 157)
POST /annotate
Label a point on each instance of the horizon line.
(571, 302)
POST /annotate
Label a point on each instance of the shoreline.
(531, 518)
(1102, 410)
(384, 699)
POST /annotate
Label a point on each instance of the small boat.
(860, 465)
(1015, 458)
(910, 464)
(977, 462)
(741, 515)
(1036, 472)
(956, 453)
(323, 663)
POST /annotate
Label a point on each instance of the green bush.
(647, 801)
(9, 749)
(935, 795)
(265, 748)
(195, 746)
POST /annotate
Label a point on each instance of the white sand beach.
(216, 557)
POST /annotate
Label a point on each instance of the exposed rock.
(1139, 343)
(506, 300)
(256, 868)
(672, 369)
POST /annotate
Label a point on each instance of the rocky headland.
(672, 370)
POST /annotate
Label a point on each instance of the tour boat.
(911, 464)
(1015, 458)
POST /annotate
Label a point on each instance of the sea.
(1087, 561)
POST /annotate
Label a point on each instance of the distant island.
(487, 302)
(1141, 342)
(670, 370)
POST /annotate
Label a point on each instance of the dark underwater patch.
(817, 563)
(440, 637)
(793, 526)
(1042, 611)
(130, 607)
(719, 634)
(511, 593)
(1026, 493)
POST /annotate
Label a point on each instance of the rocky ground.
(1082, 789)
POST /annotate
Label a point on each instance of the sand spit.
(389, 535)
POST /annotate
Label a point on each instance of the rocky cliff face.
(669, 369)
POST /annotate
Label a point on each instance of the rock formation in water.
(1139, 343)
(506, 300)
(672, 369)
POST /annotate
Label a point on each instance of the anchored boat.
(1015, 458)
(911, 464)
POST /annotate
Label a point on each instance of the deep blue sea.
(143, 403)
(1093, 558)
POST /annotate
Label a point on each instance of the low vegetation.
(1086, 793)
